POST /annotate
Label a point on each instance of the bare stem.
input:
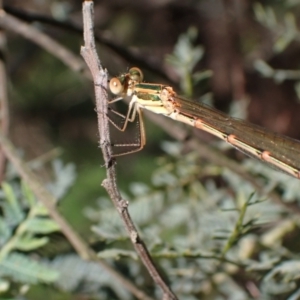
(88, 51)
(50, 203)
(4, 111)
(22, 168)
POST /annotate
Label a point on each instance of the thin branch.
(49, 202)
(88, 51)
(195, 255)
(44, 41)
(44, 196)
(4, 111)
(76, 64)
(126, 54)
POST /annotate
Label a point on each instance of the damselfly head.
(115, 86)
(136, 74)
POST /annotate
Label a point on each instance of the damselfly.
(279, 151)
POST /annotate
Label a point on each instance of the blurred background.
(241, 57)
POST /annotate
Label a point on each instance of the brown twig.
(49, 202)
(43, 195)
(76, 64)
(128, 55)
(50, 45)
(4, 111)
(88, 51)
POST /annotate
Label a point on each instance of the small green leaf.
(263, 68)
(24, 269)
(39, 225)
(5, 231)
(11, 208)
(199, 76)
(283, 42)
(40, 210)
(28, 243)
(28, 194)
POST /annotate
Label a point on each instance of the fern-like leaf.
(23, 269)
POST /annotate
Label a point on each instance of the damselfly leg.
(121, 122)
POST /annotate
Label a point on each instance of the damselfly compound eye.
(136, 74)
(116, 86)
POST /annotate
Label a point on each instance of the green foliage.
(184, 59)
(285, 31)
(23, 269)
(90, 276)
(203, 233)
(278, 75)
(22, 227)
(64, 178)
